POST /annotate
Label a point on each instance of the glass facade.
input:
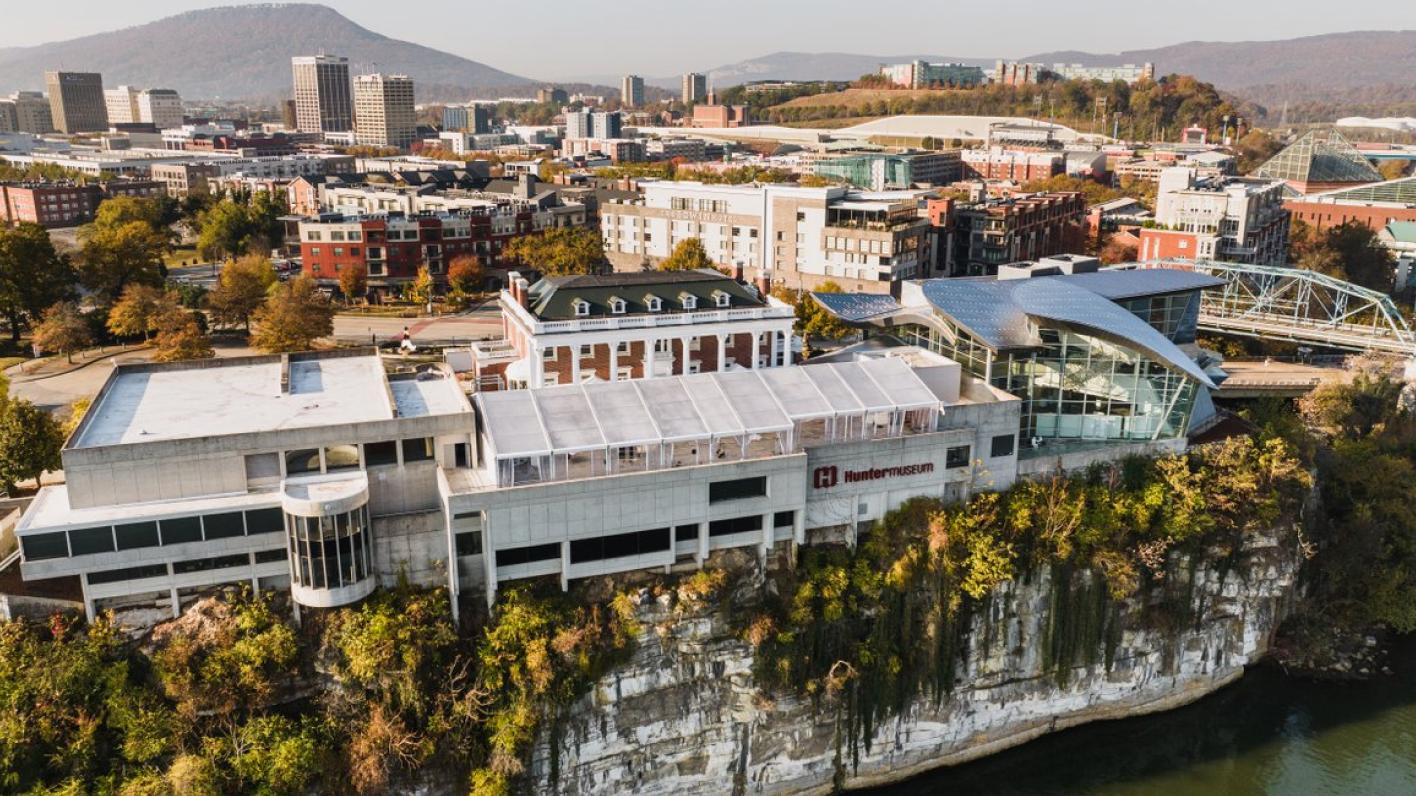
(1077, 386)
(330, 552)
(1177, 316)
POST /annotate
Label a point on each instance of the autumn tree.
(420, 290)
(560, 251)
(1394, 169)
(688, 255)
(1255, 148)
(230, 228)
(119, 249)
(63, 330)
(1350, 251)
(33, 276)
(293, 317)
(464, 276)
(136, 311)
(1119, 248)
(241, 290)
(812, 320)
(353, 282)
(180, 335)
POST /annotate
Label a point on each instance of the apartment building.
(121, 104)
(976, 238)
(923, 74)
(323, 102)
(997, 163)
(472, 118)
(1234, 219)
(635, 325)
(76, 101)
(632, 91)
(160, 107)
(383, 111)
(593, 124)
(798, 237)
(65, 204)
(189, 177)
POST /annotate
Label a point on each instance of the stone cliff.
(685, 715)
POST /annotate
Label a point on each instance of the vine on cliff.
(868, 630)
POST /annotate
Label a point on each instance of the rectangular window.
(41, 546)
(129, 573)
(377, 454)
(735, 525)
(956, 457)
(137, 534)
(204, 564)
(270, 556)
(526, 555)
(91, 540)
(686, 533)
(341, 457)
(620, 545)
(223, 526)
(1002, 445)
(737, 489)
(784, 519)
(306, 460)
(417, 450)
(469, 543)
(264, 521)
(181, 529)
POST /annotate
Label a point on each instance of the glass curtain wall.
(330, 552)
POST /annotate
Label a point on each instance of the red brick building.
(65, 204)
(1373, 206)
(1009, 164)
(977, 237)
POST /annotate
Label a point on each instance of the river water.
(1267, 734)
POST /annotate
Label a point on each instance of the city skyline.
(762, 31)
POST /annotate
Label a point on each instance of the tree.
(420, 290)
(1350, 251)
(1254, 149)
(293, 317)
(1394, 169)
(179, 334)
(241, 290)
(561, 251)
(353, 282)
(30, 442)
(63, 330)
(226, 230)
(33, 276)
(812, 320)
(1119, 248)
(464, 276)
(136, 311)
(688, 255)
(111, 257)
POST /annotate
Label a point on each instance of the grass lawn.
(6, 362)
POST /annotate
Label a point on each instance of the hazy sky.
(552, 39)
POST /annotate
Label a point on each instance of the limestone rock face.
(685, 715)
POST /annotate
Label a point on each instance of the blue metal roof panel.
(984, 308)
(855, 307)
(1119, 284)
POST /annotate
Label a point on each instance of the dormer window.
(721, 299)
(654, 303)
(690, 301)
(582, 308)
(617, 305)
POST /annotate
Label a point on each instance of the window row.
(183, 567)
(620, 545)
(337, 458)
(151, 533)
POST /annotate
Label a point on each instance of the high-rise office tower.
(32, 112)
(121, 104)
(76, 102)
(160, 107)
(383, 111)
(695, 88)
(323, 102)
(632, 91)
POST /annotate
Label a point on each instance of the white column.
(574, 363)
(538, 366)
(722, 352)
(768, 536)
(177, 603)
(688, 355)
(649, 346)
(614, 360)
(756, 344)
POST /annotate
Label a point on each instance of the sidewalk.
(58, 365)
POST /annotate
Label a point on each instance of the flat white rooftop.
(246, 396)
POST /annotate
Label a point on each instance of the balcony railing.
(775, 312)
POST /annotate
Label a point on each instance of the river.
(1268, 734)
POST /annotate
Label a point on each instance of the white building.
(1233, 219)
(160, 107)
(122, 104)
(318, 474)
(798, 236)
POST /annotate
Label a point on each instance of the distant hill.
(806, 66)
(1327, 67)
(243, 52)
